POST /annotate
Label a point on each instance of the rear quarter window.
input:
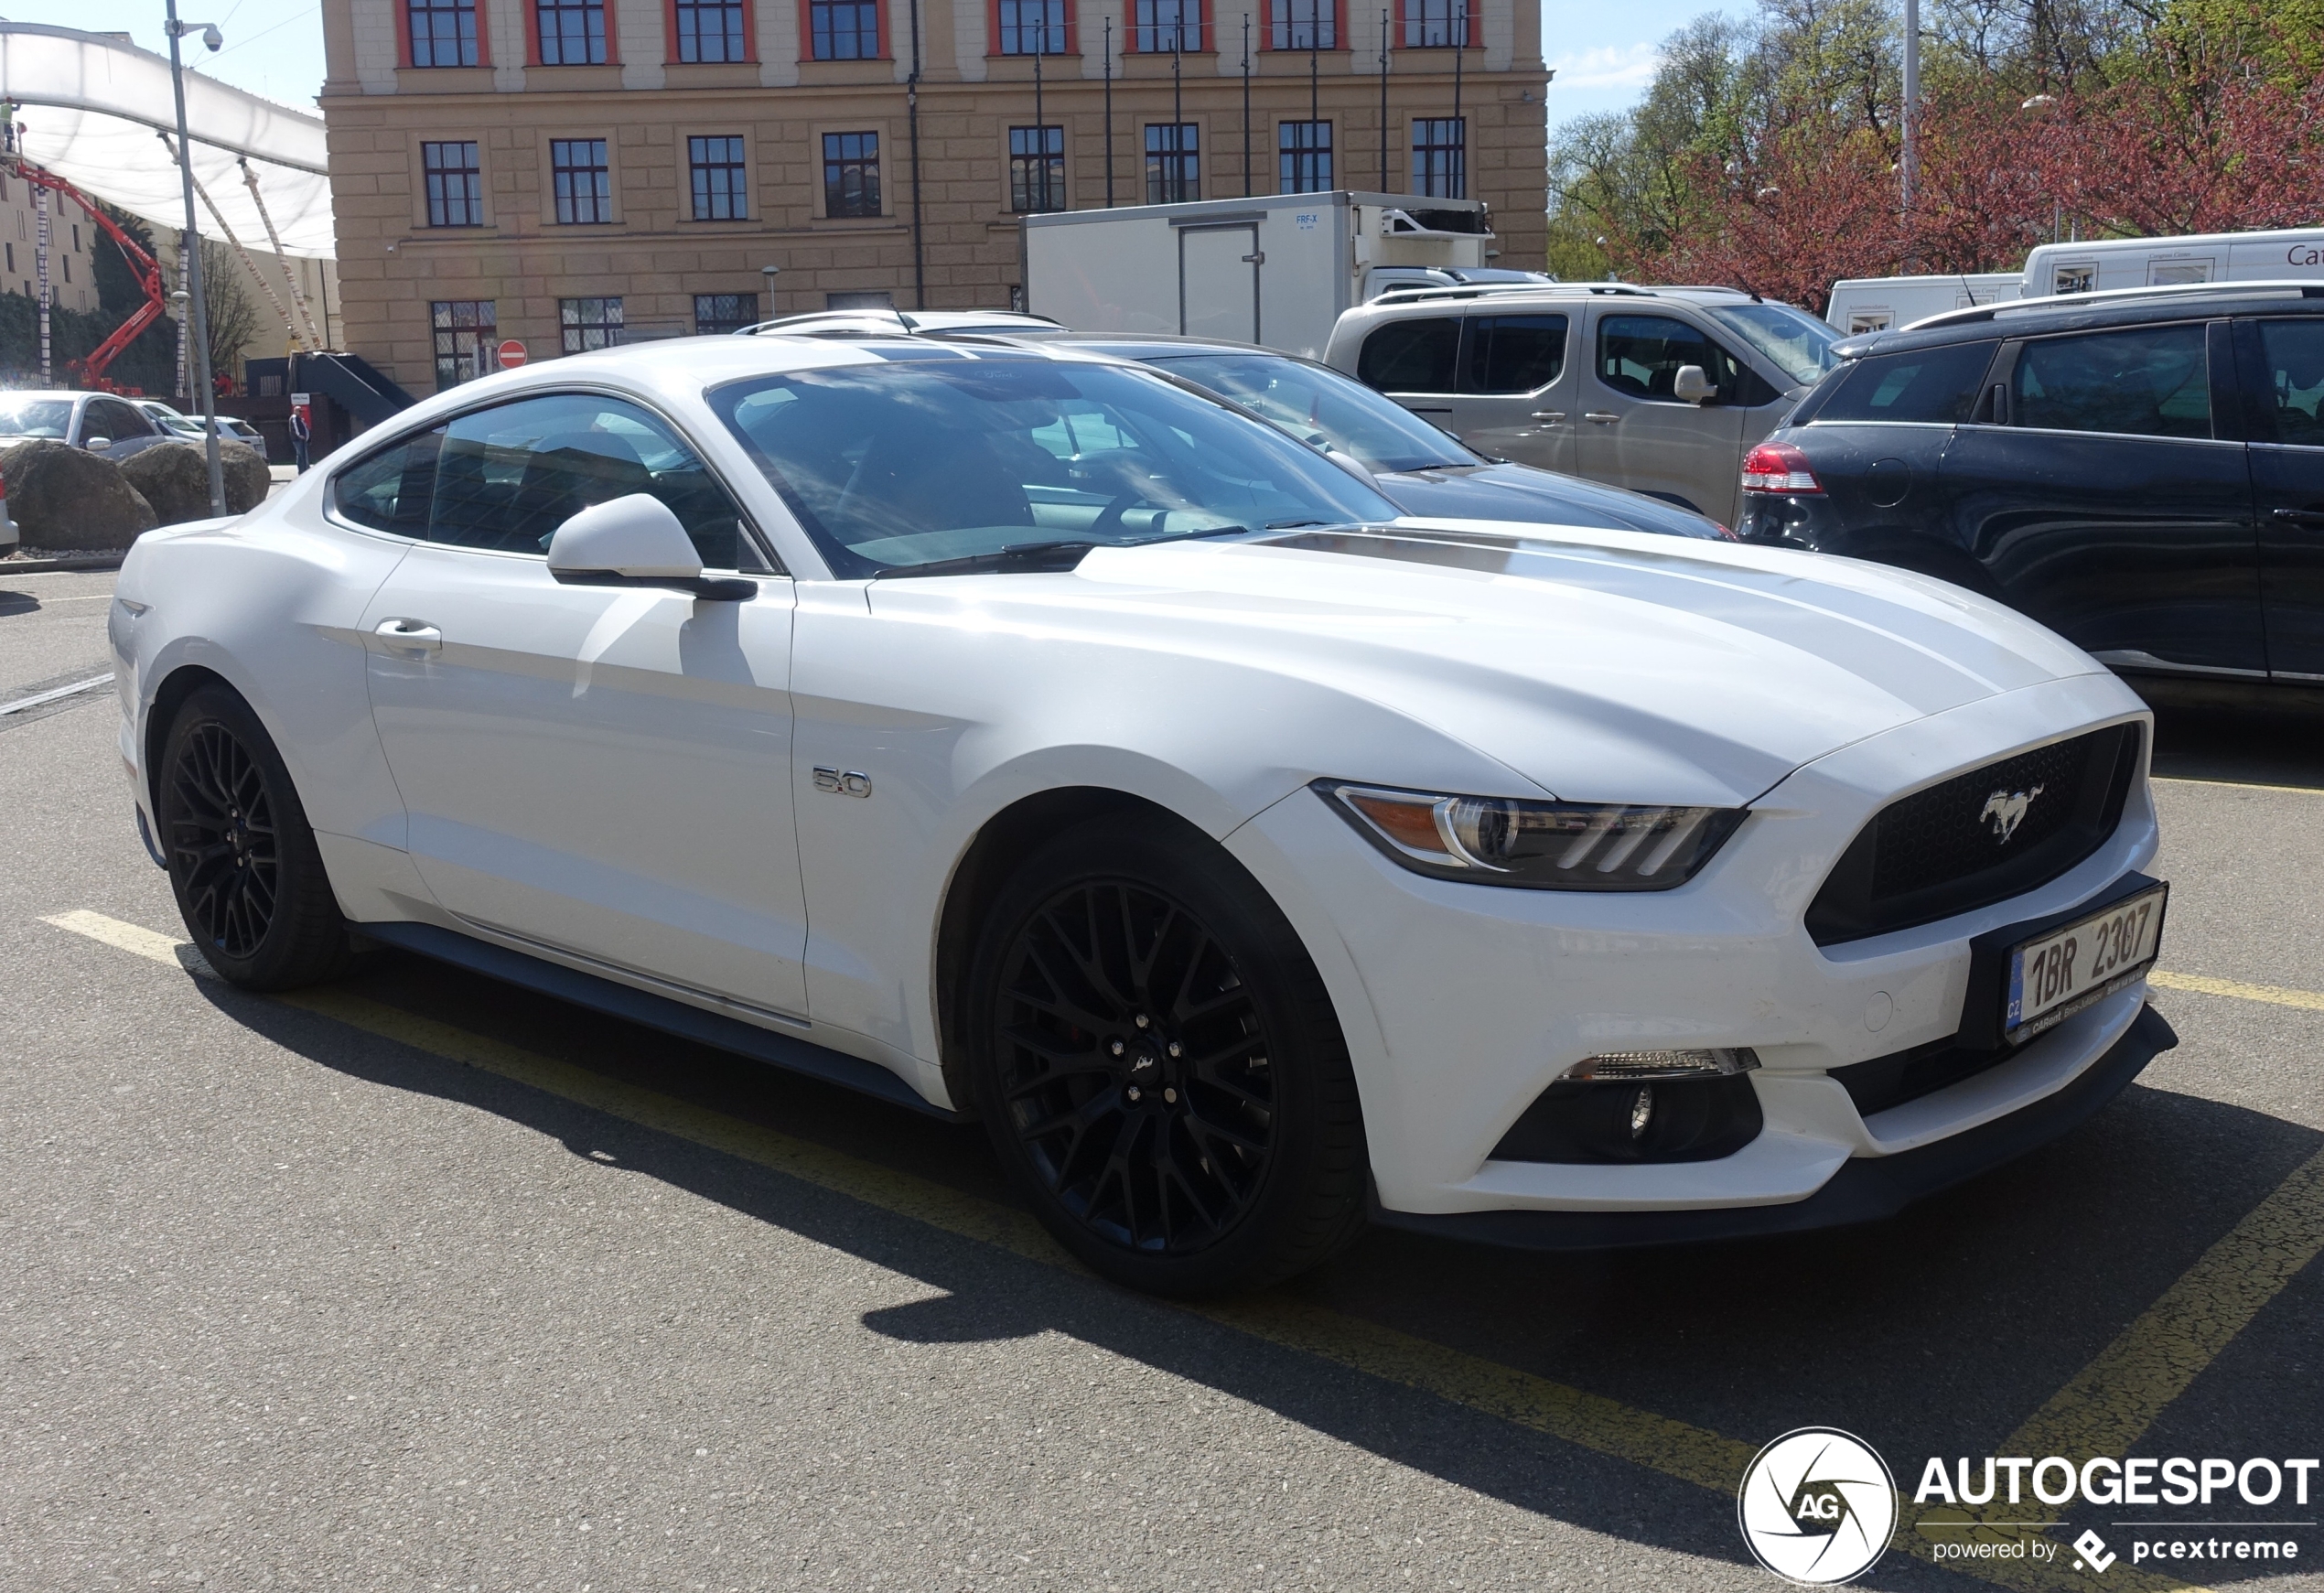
(1934, 385)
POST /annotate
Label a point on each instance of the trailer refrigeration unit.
(1274, 269)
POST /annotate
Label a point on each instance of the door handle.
(1602, 416)
(1258, 258)
(414, 636)
(2299, 516)
(1551, 415)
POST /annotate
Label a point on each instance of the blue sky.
(1603, 55)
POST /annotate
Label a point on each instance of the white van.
(1876, 304)
(2290, 254)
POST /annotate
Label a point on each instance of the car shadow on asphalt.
(1935, 1334)
(2274, 737)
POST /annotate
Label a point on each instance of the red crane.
(141, 265)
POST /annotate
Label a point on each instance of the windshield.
(1324, 408)
(36, 417)
(916, 461)
(1798, 343)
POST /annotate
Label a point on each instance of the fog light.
(1704, 1064)
(1641, 1111)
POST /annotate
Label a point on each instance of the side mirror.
(1691, 385)
(635, 541)
(99, 445)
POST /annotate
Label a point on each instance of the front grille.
(1953, 847)
(1901, 1076)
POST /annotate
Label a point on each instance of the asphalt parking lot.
(419, 1281)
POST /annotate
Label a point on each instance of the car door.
(126, 430)
(1515, 398)
(602, 771)
(2283, 364)
(1636, 433)
(2094, 488)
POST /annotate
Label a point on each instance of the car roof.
(2076, 311)
(893, 322)
(1149, 345)
(1523, 292)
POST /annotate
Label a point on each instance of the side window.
(1928, 384)
(1410, 356)
(2292, 368)
(2148, 381)
(1514, 353)
(1641, 355)
(110, 418)
(506, 478)
(391, 490)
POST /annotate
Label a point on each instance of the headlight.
(1537, 846)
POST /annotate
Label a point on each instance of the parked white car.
(99, 422)
(1018, 734)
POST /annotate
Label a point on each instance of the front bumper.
(1463, 1003)
(1865, 1190)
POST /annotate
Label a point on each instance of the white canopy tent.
(94, 107)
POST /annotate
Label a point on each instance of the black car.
(2142, 471)
(1415, 466)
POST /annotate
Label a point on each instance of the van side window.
(1641, 355)
(2292, 364)
(1414, 356)
(1939, 385)
(2144, 381)
(1514, 353)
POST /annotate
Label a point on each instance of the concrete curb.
(96, 561)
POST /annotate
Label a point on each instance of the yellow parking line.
(1675, 1448)
(2274, 995)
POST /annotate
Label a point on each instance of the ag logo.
(1817, 1506)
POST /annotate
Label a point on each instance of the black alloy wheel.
(1159, 1065)
(242, 861)
(1134, 1068)
(221, 840)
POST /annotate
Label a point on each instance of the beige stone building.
(571, 172)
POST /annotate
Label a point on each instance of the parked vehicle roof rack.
(2010, 307)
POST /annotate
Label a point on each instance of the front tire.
(243, 860)
(1159, 1066)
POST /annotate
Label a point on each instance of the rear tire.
(1159, 1066)
(243, 860)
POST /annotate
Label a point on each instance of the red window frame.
(807, 36)
(483, 36)
(1476, 28)
(993, 32)
(1338, 26)
(749, 35)
(532, 34)
(1204, 43)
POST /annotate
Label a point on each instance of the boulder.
(67, 498)
(247, 478)
(174, 479)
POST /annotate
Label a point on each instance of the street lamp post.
(191, 258)
(770, 273)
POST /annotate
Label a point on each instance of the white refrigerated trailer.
(1877, 304)
(2288, 253)
(1274, 269)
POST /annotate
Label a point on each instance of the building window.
(583, 179)
(1032, 26)
(710, 30)
(443, 33)
(844, 29)
(589, 323)
(466, 341)
(1304, 25)
(1435, 24)
(455, 185)
(1167, 25)
(851, 174)
(572, 32)
(1306, 154)
(1173, 162)
(1036, 168)
(1440, 157)
(719, 314)
(718, 190)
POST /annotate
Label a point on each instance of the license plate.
(2055, 975)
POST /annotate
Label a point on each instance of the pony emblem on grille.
(2007, 811)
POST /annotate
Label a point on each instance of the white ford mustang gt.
(1025, 737)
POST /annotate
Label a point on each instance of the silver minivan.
(1660, 390)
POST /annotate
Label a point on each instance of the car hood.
(1520, 492)
(1597, 664)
